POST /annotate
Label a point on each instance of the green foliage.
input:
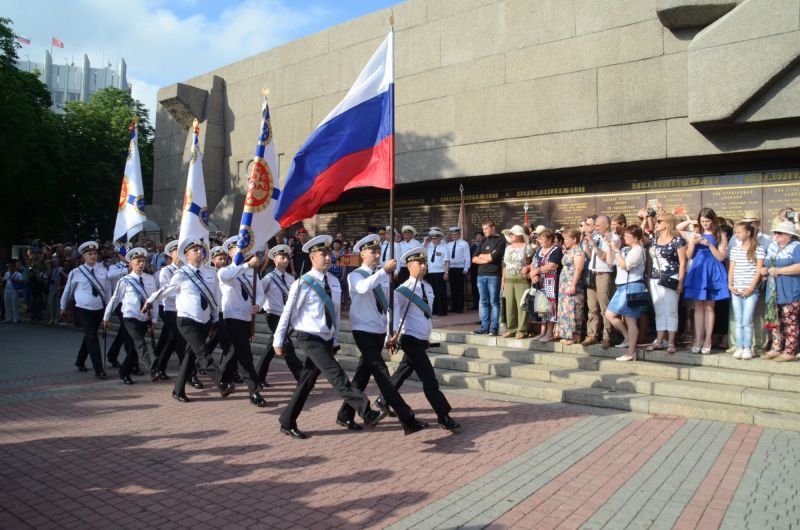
(61, 175)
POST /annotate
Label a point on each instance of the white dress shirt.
(305, 311)
(79, 285)
(275, 286)
(235, 281)
(133, 297)
(415, 323)
(597, 262)
(186, 286)
(386, 254)
(164, 276)
(364, 314)
(437, 257)
(461, 259)
(404, 247)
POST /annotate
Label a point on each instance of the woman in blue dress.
(707, 280)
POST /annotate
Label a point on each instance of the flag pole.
(264, 93)
(390, 309)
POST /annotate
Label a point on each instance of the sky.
(167, 41)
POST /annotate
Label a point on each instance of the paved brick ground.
(80, 453)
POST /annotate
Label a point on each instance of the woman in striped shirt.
(744, 275)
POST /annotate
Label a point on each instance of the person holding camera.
(668, 255)
(600, 289)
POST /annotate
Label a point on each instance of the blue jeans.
(743, 309)
(489, 291)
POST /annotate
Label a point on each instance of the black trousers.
(194, 333)
(90, 347)
(174, 341)
(436, 279)
(403, 275)
(135, 336)
(371, 363)
(294, 364)
(119, 341)
(415, 359)
(220, 339)
(473, 281)
(456, 278)
(319, 359)
(240, 355)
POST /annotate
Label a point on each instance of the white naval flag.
(130, 210)
(194, 219)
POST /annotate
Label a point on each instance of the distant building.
(76, 83)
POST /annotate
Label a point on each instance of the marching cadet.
(412, 302)
(240, 301)
(88, 284)
(219, 259)
(170, 339)
(197, 297)
(312, 310)
(117, 270)
(369, 290)
(275, 286)
(438, 270)
(131, 295)
(408, 242)
(460, 259)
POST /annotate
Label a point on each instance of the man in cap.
(412, 302)
(369, 291)
(197, 297)
(170, 339)
(387, 242)
(460, 257)
(241, 299)
(438, 269)
(117, 269)
(312, 310)
(219, 260)
(275, 286)
(88, 284)
(408, 242)
(131, 295)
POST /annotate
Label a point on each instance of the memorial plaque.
(689, 200)
(572, 211)
(418, 217)
(628, 204)
(354, 223)
(445, 216)
(328, 223)
(477, 214)
(732, 202)
(776, 199)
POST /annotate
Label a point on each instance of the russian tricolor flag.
(351, 148)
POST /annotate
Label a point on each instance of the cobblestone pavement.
(76, 452)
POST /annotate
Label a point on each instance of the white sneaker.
(738, 353)
(747, 354)
(622, 344)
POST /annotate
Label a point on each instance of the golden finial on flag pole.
(136, 120)
(391, 19)
(265, 92)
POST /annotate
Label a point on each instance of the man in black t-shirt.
(490, 269)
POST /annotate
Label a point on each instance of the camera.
(792, 216)
(651, 212)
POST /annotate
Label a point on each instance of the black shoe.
(494, 333)
(180, 397)
(237, 378)
(202, 371)
(82, 369)
(137, 371)
(383, 408)
(126, 379)
(372, 417)
(225, 389)
(257, 400)
(480, 331)
(350, 424)
(101, 375)
(448, 423)
(163, 375)
(294, 433)
(413, 425)
(195, 382)
(153, 375)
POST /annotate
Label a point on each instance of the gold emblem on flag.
(123, 193)
(259, 187)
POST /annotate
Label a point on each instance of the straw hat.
(515, 230)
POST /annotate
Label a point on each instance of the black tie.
(328, 320)
(377, 302)
(203, 301)
(433, 256)
(384, 251)
(453, 254)
(141, 282)
(425, 299)
(283, 293)
(95, 292)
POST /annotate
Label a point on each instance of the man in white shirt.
(312, 310)
(170, 338)
(117, 269)
(197, 298)
(408, 242)
(438, 269)
(369, 291)
(460, 261)
(601, 260)
(131, 295)
(275, 286)
(388, 241)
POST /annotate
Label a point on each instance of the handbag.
(541, 304)
(641, 299)
(665, 281)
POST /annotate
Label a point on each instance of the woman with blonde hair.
(668, 257)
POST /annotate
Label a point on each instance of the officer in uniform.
(170, 339)
(197, 298)
(369, 291)
(386, 251)
(88, 283)
(241, 299)
(460, 260)
(117, 270)
(219, 260)
(412, 302)
(312, 310)
(408, 242)
(438, 269)
(275, 286)
(131, 295)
